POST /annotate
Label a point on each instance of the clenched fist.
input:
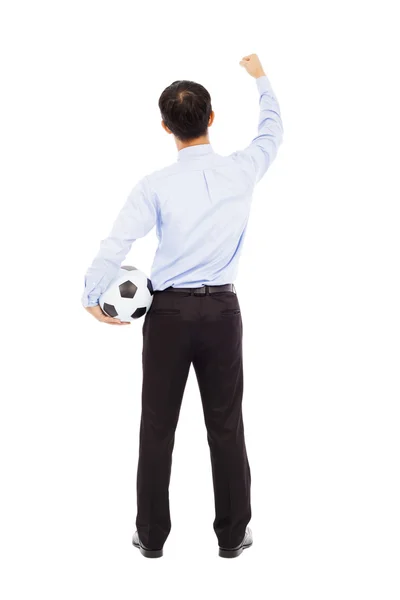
(252, 65)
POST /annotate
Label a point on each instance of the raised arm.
(262, 150)
(135, 219)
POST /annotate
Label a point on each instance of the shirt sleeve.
(135, 219)
(257, 157)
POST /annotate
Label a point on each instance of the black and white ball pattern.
(129, 295)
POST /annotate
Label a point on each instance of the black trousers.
(182, 328)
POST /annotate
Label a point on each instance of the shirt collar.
(197, 150)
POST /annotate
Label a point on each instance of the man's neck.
(200, 140)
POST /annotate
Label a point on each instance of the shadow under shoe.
(245, 543)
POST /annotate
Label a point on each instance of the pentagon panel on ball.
(129, 295)
(127, 289)
(110, 310)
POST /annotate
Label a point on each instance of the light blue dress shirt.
(200, 206)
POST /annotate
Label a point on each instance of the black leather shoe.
(147, 552)
(245, 543)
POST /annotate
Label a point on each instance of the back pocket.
(166, 311)
(228, 312)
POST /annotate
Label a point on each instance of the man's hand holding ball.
(101, 316)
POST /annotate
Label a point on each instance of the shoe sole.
(149, 553)
(226, 553)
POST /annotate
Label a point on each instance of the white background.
(318, 288)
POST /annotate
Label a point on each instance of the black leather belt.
(199, 291)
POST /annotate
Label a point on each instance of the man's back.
(203, 206)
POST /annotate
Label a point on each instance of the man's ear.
(211, 119)
(165, 127)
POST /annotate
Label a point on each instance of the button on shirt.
(200, 206)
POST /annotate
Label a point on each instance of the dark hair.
(185, 109)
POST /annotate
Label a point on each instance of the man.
(200, 205)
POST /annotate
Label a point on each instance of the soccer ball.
(129, 295)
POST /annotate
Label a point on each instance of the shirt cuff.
(263, 84)
(87, 301)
